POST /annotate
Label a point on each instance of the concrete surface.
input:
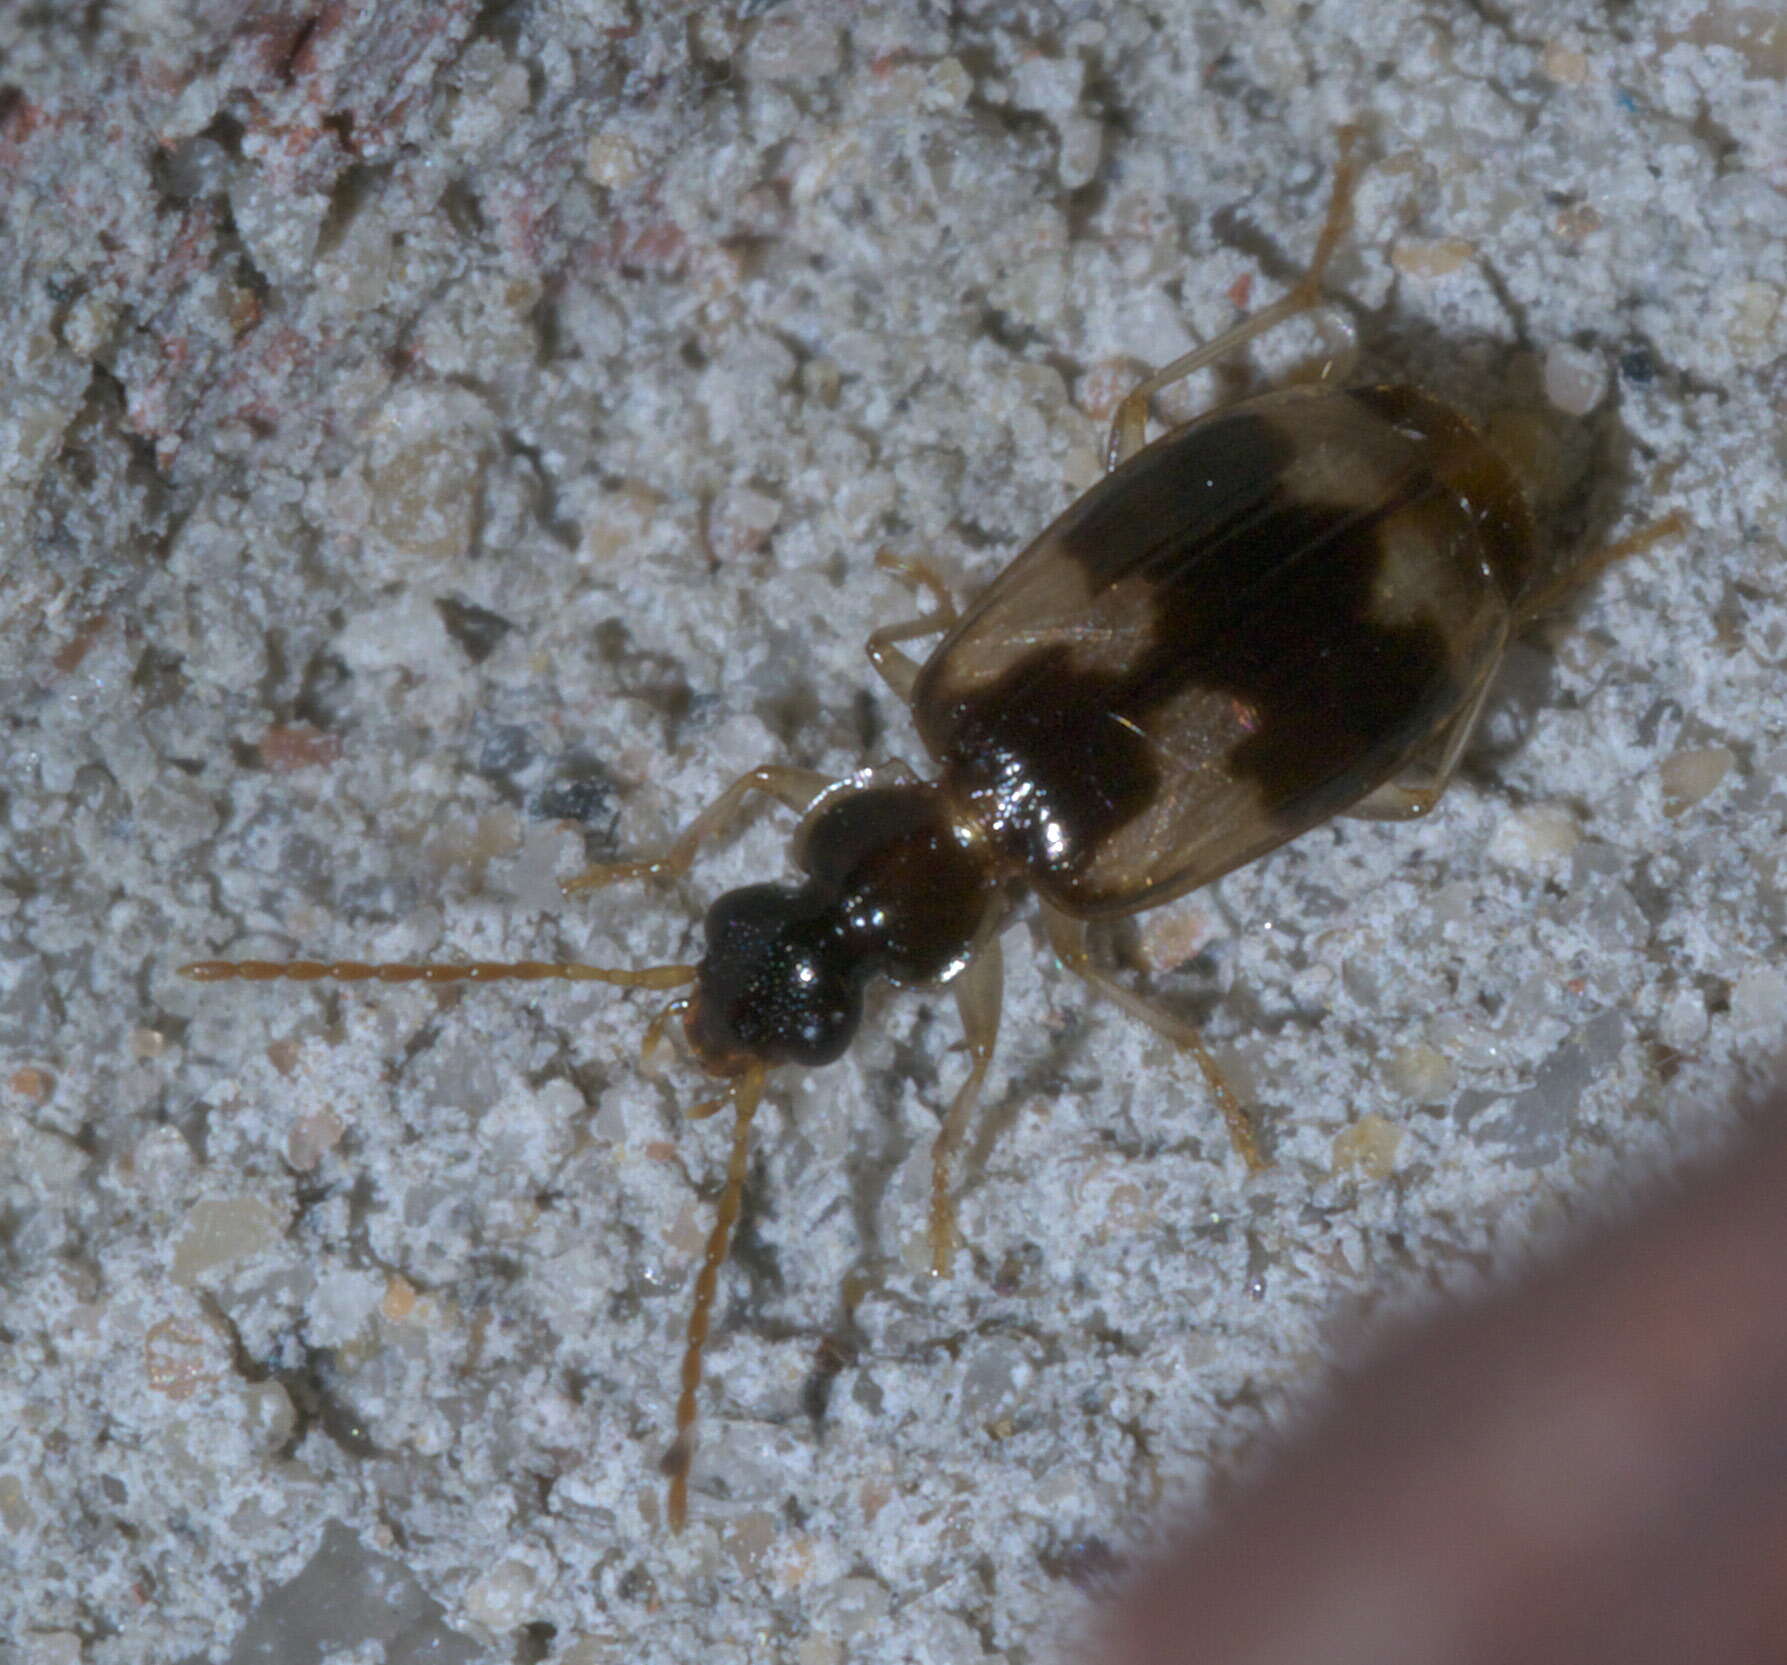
(439, 441)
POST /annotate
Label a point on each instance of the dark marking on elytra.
(1043, 755)
(1251, 594)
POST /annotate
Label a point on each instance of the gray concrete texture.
(441, 443)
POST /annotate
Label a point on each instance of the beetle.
(1287, 609)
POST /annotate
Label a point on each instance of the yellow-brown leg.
(1067, 936)
(797, 788)
(744, 1095)
(900, 670)
(1129, 429)
(1566, 583)
(980, 997)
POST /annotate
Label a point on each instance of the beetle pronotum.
(1287, 609)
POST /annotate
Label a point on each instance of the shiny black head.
(778, 984)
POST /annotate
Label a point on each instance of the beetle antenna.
(744, 1093)
(428, 971)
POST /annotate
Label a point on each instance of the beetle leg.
(1129, 429)
(743, 1096)
(797, 788)
(1067, 936)
(980, 996)
(1566, 583)
(899, 670)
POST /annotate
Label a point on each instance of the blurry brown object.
(1592, 1468)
